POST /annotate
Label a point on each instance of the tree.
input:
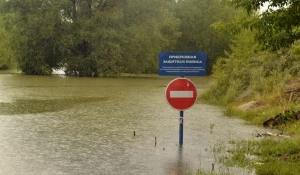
(95, 34)
(6, 53)
(107, 37)
(278, 26)
(81, 35)
(150, 27)
(36, 28)
(197, 27)
(248, 72)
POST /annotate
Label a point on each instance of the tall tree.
(150, 27)
(6, 53)
(197, 21)
(278, 26)
(80, 35)
(36, 26)
(95, 35)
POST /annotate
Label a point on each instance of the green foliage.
(107, 38)
(90, 38)
(151, 27)
(36, 34)
(278, 168)
(231, 73)
(275, 149)
(278, 26)
(198, 22)
(279, 157)
(267, 156)
(6, 53)
(238, 154)
(247, 68)
(287, 117)
(94, 32)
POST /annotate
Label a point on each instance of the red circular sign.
(181, 93)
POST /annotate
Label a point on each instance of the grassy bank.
(271, 81)
(266, 155)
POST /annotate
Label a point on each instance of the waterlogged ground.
(68, 125)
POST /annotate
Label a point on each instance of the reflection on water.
(179, 166)
(68, 125)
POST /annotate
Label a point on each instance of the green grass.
(278, 168)
(207, 172)
(266, 156)
(258, 116)
(252, 116)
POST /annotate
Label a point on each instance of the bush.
(247, 67)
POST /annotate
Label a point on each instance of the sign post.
(181, 128)
(181, 93)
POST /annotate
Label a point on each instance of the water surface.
(69, 125)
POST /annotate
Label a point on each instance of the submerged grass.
(272, 78)
(266, 156)
(32, 106)
(207, 172)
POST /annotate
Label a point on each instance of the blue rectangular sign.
(182, 63)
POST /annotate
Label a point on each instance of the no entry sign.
(181, 93)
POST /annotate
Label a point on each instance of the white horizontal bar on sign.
(181, 94)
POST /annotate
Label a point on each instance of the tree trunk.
(74, 11)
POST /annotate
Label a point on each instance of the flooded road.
(69, 125)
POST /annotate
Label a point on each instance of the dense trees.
(37, 36)
(108, 37)
(254, 70)
(150, 27)
(6, 55)
(278, 26)
(197, 27)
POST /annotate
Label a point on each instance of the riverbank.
(61, 72)
(271, 153)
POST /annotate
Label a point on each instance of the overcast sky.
(264, 7)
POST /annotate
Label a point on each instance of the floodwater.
(69, 125)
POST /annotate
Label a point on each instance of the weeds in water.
(266, 156)
(237, 159)
(219, 147)
(207, 172)
(211, 126)
(238, 153)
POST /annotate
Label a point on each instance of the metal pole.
(180, 127)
